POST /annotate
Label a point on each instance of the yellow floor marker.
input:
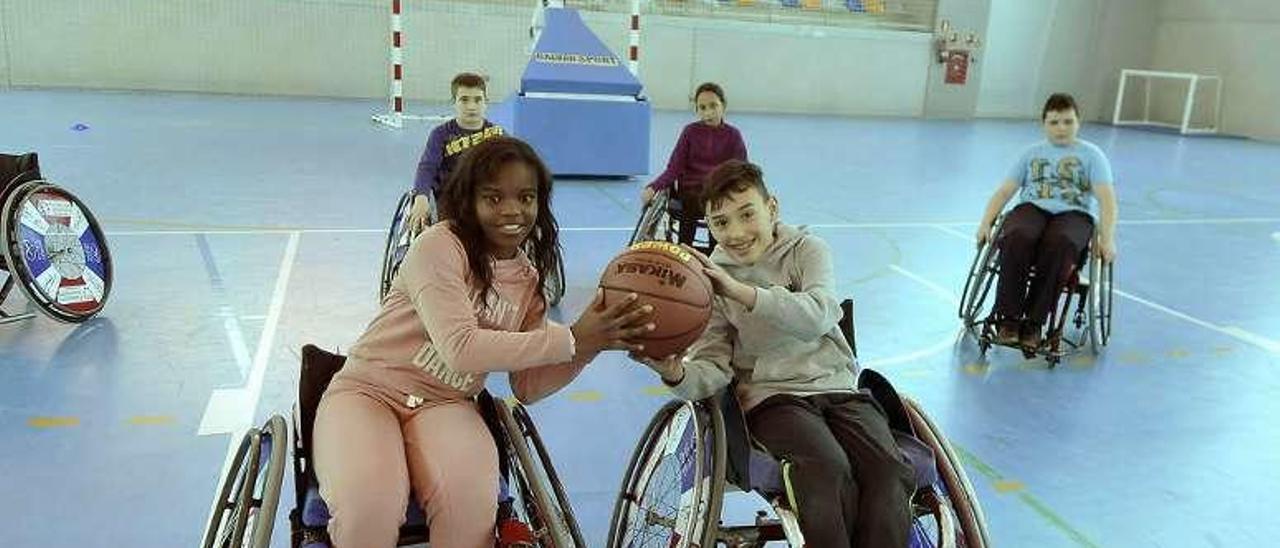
(52, 422)
(1009, 486)
(152, 420)
(1134, 358)
(658, 390)
(586, 396)
(1083, 361)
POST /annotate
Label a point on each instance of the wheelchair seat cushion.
(919, 456)
(887, 397)
(11, 166)
(766, 471)
(315, 512)
(766, 474)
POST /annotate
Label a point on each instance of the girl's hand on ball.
(611, 327)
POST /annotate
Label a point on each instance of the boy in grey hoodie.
(774, 329)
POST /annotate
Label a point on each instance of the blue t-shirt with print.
(1058, 178)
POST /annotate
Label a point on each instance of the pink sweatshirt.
(432, 342)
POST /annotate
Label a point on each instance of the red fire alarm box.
(957, 67)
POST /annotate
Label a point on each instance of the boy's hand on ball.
(724, 284)
(670, 368)
(612, 327)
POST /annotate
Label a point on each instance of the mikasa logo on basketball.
(666, 247)
(664, 275)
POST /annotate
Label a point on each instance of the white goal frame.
(1185, 127)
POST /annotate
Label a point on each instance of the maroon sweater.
(700, 149)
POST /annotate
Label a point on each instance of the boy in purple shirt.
(449, 140)
(703, 146)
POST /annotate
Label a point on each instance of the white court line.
(941, 346)
(233, 413)
(232, 410)
(910, 224)
(1230, 331)
(1208, 221)
(955, 233)
(1237, 333)
(943, 292)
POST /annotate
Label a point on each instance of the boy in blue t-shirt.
(1066, 189)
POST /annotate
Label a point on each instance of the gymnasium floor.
(242, 228)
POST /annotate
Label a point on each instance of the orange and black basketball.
(670, 279)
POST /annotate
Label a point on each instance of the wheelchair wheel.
(549, 521)
(250, 493)
(978, 285)
(398, 239)
(674, 485)
(654, 220)
(555, 520)
(1100, 301)
(959, 491)
(57, 251)
(555, 286)
(933, 522)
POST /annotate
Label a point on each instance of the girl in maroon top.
(703, 145)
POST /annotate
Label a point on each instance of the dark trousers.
(852, 486)
(1053, 243)
(690, 212)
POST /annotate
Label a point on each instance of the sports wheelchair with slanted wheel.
(247, 497)
(672, 492)
(1079, 318)
(399, 236)
(51, 246)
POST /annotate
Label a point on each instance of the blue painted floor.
(242, 228)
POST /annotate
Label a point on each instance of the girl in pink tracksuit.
(401, 417)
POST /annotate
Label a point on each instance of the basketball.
(670, 279)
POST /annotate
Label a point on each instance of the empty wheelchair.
(660, 220)
(399, 236)
(1080, 318)
(672, 492)
(52, 246)
(247, 497)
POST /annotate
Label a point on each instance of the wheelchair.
(53, 248)
(674, 486)
(248, 495)
(1079, 318)
(660, 220)
(399, 236)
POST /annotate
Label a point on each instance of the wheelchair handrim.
(95, 252)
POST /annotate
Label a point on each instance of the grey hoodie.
(790, 343)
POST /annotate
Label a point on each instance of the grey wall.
(944, 100)
(1237, 40)
(1078, 46)
(4, 46)
(339, 49)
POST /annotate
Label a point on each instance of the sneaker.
(1030, 338)
(1007, 334)
(513, 533)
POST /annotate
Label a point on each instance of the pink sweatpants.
(369, 450)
